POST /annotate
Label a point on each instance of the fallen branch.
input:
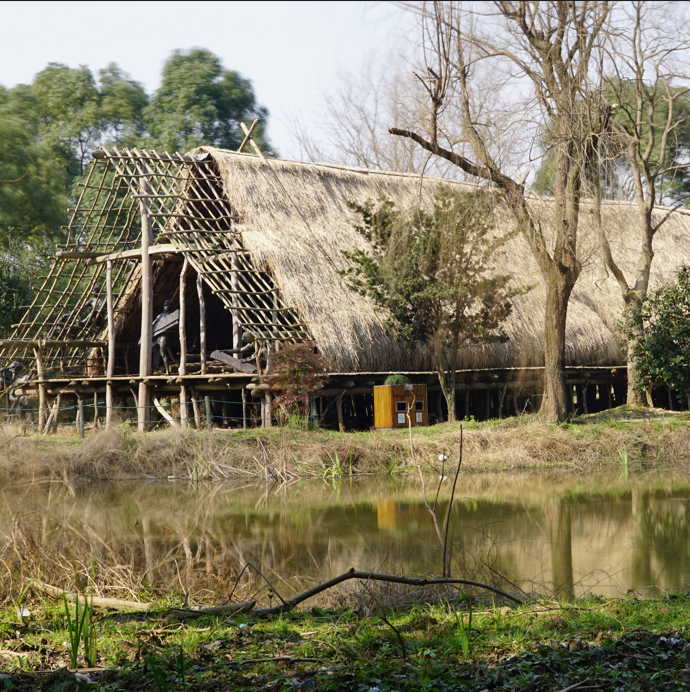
(272, 659)
(243, 607)
(375, 576)
(118, 604)
(114, 603)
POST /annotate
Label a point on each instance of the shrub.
(298, 373)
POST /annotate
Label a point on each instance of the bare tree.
(549, 47)
(352, 128)
(646, 54)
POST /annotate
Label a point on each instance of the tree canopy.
(432, 272)
(662, 356)
(199, 102)
(49, 128)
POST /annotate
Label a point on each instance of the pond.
(561, 533)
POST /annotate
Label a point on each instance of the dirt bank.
(515, 443)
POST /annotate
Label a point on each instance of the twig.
(446, 562)
(574, 686)
(258, 571)
(385, 619)
(271, 659)
(426, 502)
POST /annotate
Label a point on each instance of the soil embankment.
(618, 436)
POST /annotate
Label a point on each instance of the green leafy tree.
(19, 269)
(201, 103)
(48, 130)
(431, 271)
(662, 357)
(33, 199)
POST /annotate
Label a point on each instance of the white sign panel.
(419, 418)
(401, 418)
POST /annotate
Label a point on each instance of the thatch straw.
(295, 222)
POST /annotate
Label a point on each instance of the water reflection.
(553, 533)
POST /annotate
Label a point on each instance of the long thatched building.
(250, 252)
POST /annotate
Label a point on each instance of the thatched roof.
(295, 223)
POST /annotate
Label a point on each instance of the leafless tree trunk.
(549, 45)
(644, 54)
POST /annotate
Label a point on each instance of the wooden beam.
(77, 254)
(132, 254)
(247, 135)
(46, 343)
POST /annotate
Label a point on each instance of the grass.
(544, 645)
(522, 442)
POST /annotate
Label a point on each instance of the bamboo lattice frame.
(188, 210)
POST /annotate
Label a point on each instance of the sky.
(292, 51)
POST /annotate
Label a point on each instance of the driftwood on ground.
(114, 603)
(285, 606)
(375, 576)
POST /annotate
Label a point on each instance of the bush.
(663, 355)
(397, 380)
(298, 373)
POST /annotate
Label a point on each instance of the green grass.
(461, 645)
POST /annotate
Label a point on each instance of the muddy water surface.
(564, 533)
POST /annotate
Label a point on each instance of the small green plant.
(159, 678)
(464, 634)
(336, 469)
(74, 628)
(396, 380)
(81, 628)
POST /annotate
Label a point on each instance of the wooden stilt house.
(249, 251)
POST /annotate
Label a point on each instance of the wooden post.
(146, 308)
(467, 404)
(226, 424)
(54, 429)
(209, 419)
(488, 404)
(38, 352)
(51, 423)
(268, 410)
(110, 371)
(501, 399)
(202, 322)
(182, 370)
(196, 409)
(235, 285)
(244, 408)
(95, 410)
(339, 407)
(80, 415)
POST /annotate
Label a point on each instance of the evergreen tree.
(432, 272)
(201, 103)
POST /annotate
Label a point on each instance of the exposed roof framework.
(190, 217)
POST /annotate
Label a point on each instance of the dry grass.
(286, 453)
(295, 222)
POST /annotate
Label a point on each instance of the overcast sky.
(292, 52)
